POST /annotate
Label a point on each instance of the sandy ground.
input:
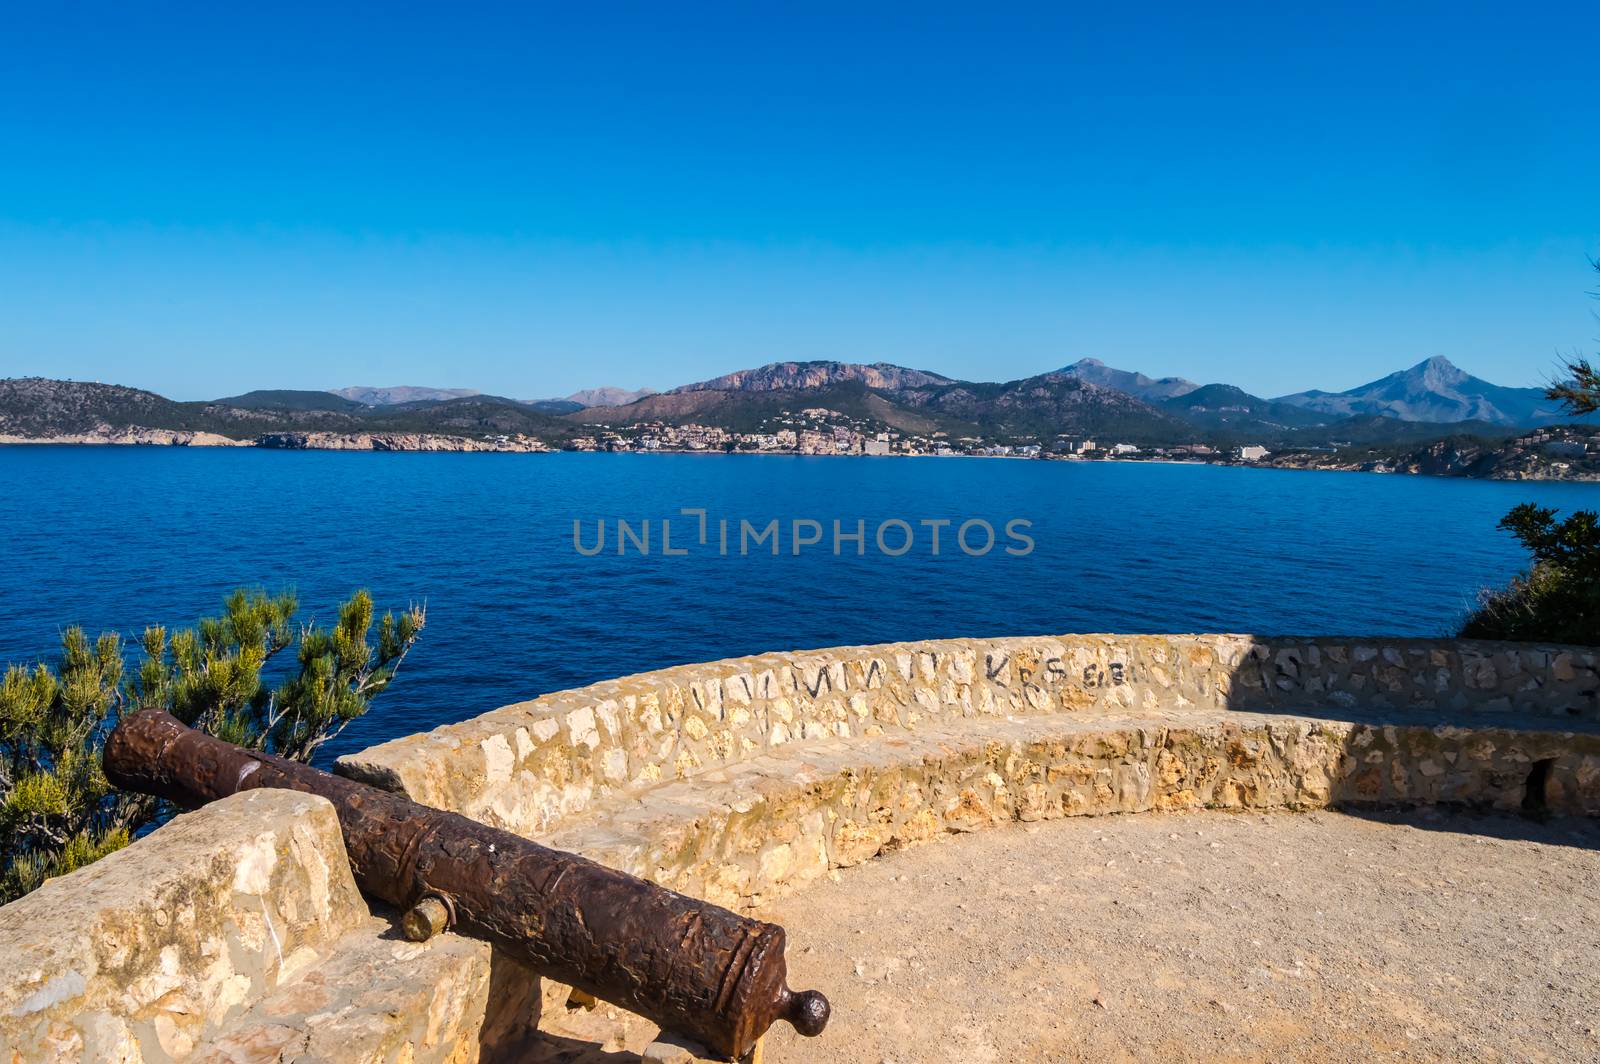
(1208, 937)
(1212, 937)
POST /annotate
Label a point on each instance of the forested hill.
(38, 408)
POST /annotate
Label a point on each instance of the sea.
(723, 555)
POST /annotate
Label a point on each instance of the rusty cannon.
(694, 968)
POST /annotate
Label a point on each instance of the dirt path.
(1320, 937)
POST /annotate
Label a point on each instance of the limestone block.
(143, 955)
(450, 1000)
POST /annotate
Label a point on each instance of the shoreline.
(428, 443)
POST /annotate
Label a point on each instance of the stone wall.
(236, 934)
(528, 766)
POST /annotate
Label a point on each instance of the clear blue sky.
(207, 198)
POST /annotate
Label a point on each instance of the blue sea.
(114, 538)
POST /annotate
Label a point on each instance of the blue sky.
(204, 199)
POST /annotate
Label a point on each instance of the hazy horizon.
(203, 200)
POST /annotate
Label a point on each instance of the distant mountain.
(913, 401)
(472, 415)
(1224, 407)
(1435, 390)
(608, 396)
(408, 395)
(1147, 388)
(747, 411)
(1046, 406)
(801, 376)
(400, 393)
(553, 406)
(1380, 430)
(290, 399)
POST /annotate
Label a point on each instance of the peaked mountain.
(801, 376)
(399, 393)
(1435, 390)
(1134, 383)
(608, 396)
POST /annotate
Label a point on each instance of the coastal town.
(1555, 453)
(819, 431)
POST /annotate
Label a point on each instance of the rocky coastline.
(291, 441)
(133, 437)
(1517, 460)
(1544, 455)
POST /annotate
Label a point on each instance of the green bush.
(58, 812)
(1558, 599)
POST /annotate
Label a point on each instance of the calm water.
(116, 537)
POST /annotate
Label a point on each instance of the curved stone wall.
(528, 766)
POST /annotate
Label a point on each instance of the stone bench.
(741, 834)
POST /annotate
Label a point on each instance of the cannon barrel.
(692, 967)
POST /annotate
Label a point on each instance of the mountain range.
(404, 394)
(1430, 400)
